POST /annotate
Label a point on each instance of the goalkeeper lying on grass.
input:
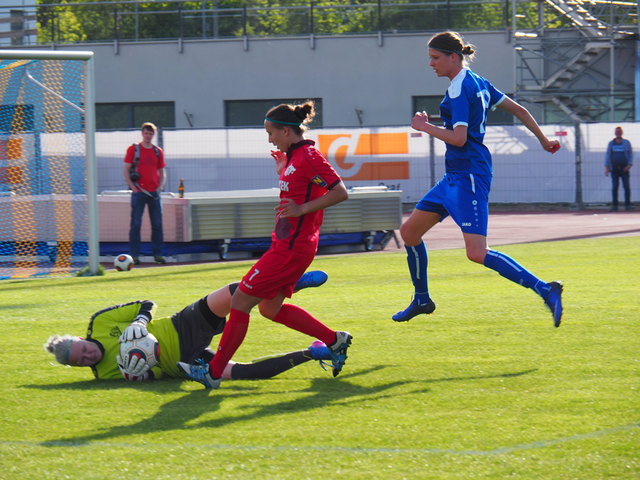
(184, 337)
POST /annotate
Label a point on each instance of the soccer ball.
(145, 348)
(123, 262)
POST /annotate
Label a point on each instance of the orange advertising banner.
(11, 149)
(355, 155)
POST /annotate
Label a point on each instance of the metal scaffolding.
(576, 59)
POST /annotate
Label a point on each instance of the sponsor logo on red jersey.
(319, 181)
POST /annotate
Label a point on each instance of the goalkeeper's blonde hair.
(60, 346)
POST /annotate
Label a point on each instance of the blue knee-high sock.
(512, 270)
(418, 261)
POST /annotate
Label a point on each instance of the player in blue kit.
(463, 193)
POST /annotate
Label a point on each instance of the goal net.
(47, 164)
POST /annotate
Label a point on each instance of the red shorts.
(278, 270)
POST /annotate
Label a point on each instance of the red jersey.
(148, 166)
(307, 176)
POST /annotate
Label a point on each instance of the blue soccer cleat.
(414, 309)
(553, 299)
(338, 351)
(320, 352)
(199, 372)
(314, 278)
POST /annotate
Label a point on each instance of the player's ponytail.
(305, 112)
(468, 52)
(452, 42)
(295, 117)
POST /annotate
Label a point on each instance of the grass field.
(484, 388)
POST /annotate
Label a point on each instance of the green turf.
(485, 387)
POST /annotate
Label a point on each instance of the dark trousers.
(138, 201)
(616, 176)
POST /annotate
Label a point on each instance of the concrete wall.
(346, 72)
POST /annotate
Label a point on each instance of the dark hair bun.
(305, 111)
(468, 50)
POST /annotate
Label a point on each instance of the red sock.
(232, 337)
(299, 319)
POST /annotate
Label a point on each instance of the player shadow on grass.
(173, 415)
(160, 386)
(173, 384)
(481, 377)
(326, 392)
(183, 412)
(321, 393)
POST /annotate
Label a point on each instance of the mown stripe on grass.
(448, 451)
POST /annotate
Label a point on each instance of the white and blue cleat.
(338, 351)
(199, 372)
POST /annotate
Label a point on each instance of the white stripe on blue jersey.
(467, 103)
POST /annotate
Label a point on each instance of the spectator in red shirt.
(145, 175)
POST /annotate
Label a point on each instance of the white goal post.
(48, 172)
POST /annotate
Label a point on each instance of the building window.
(250, 113)
(17, 27)
(113, 116)
(431, 105)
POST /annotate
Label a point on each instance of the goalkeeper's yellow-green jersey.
(106, 326)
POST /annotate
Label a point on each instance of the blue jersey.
(619, 155)
(467, 102)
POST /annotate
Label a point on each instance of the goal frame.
(90, 150)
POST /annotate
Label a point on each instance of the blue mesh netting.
(43, 206)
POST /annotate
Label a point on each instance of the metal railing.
(105, 21)
(83, 22)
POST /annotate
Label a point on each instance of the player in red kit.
(308, 185)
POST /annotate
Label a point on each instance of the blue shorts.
(464, 196)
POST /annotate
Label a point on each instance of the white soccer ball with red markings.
(123, 262)
(145, 349)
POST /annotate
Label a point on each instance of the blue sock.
(512, 270)
(418, 261)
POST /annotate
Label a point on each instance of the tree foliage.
(90, 20)
(57, 24)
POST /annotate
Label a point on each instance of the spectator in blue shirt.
(618, 162)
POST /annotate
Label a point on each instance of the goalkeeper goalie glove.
(137, 329)
(134, 364)
(140, 371)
